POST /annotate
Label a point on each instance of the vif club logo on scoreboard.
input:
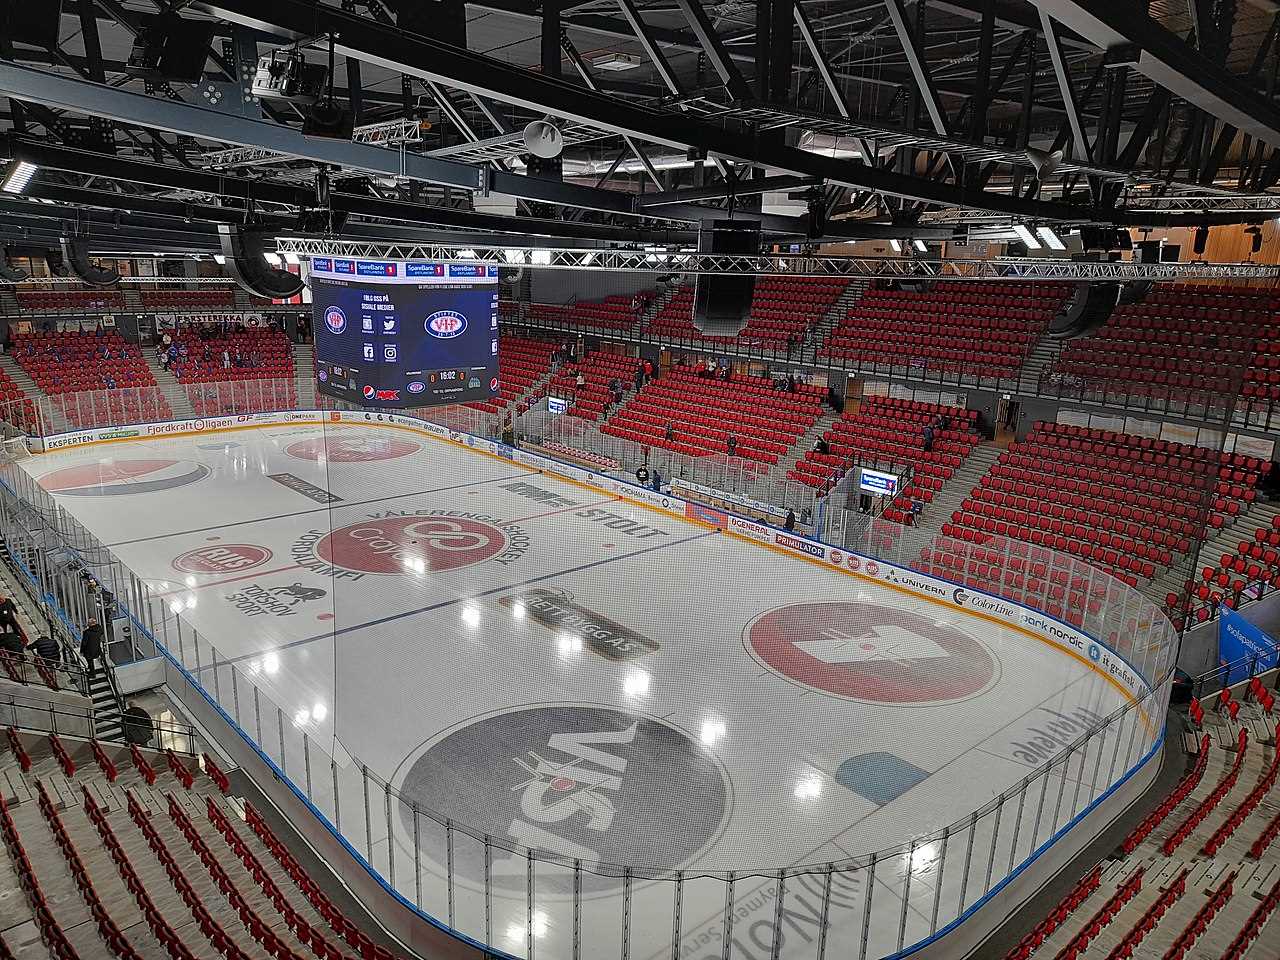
(123, 477)
(219, 558)
(864, 651)
(335, 319)
(581, 782)
(445, 324)
(356, 448)
(411, 543)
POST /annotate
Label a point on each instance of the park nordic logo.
(335, 319)
(446, 324)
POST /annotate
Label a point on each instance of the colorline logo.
(446, 324)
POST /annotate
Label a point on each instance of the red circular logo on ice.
(864, 651)
(120, 477)
(222, 558)
(353, 449)
(411, 544)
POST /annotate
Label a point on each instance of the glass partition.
(509, 891)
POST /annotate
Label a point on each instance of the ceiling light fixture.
(19, 176)
(1051, 239)
(1027, 237)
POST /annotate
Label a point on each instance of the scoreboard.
(405, 333)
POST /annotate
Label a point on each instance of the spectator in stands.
(821, 446)
(639, 377)
(226, 359)
(46, 648)
(642, 476)
(731, 444)
(791, 383)
(91, 646)
(579, 381)
(239, 359)
(650, 372)
(928, 438)
(790, 522)
(9, 625)
(11, 644)
(669, 434)
(110, 382)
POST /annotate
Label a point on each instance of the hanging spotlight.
(18, 176)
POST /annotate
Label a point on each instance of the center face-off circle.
(397, 544)
(351, 449)
(865, 651)
(583, 782)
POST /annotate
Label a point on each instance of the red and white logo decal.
(411, 544)
(122, 477)
(864, 651)
(351, 449)
(222, 558)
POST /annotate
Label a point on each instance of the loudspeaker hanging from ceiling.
(36, 23)
(8, 271)
(722, 301)
(1088, 307)
(56, 264)
(243, 250)
(75, 253)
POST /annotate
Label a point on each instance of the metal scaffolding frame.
(664, 262)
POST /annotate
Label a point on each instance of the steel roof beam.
(84, 98)
(1171, 62)
(431, 60)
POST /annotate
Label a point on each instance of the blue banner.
(1243, 646)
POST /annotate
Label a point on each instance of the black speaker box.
(57, 265)
(243, 250)
(173, 47)
(9, 272)
(722, 302)
(1088, 307)
(33, 22)
(75, 253)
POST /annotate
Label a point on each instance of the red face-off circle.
(222, 558)
(411, 544)
(864, 651)
(351, 449)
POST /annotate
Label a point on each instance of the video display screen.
(405, 333)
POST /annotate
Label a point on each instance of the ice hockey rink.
(555, 666)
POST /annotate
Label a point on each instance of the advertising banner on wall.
(1244, 646)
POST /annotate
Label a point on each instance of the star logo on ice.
(883, 642)
(870, 651)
